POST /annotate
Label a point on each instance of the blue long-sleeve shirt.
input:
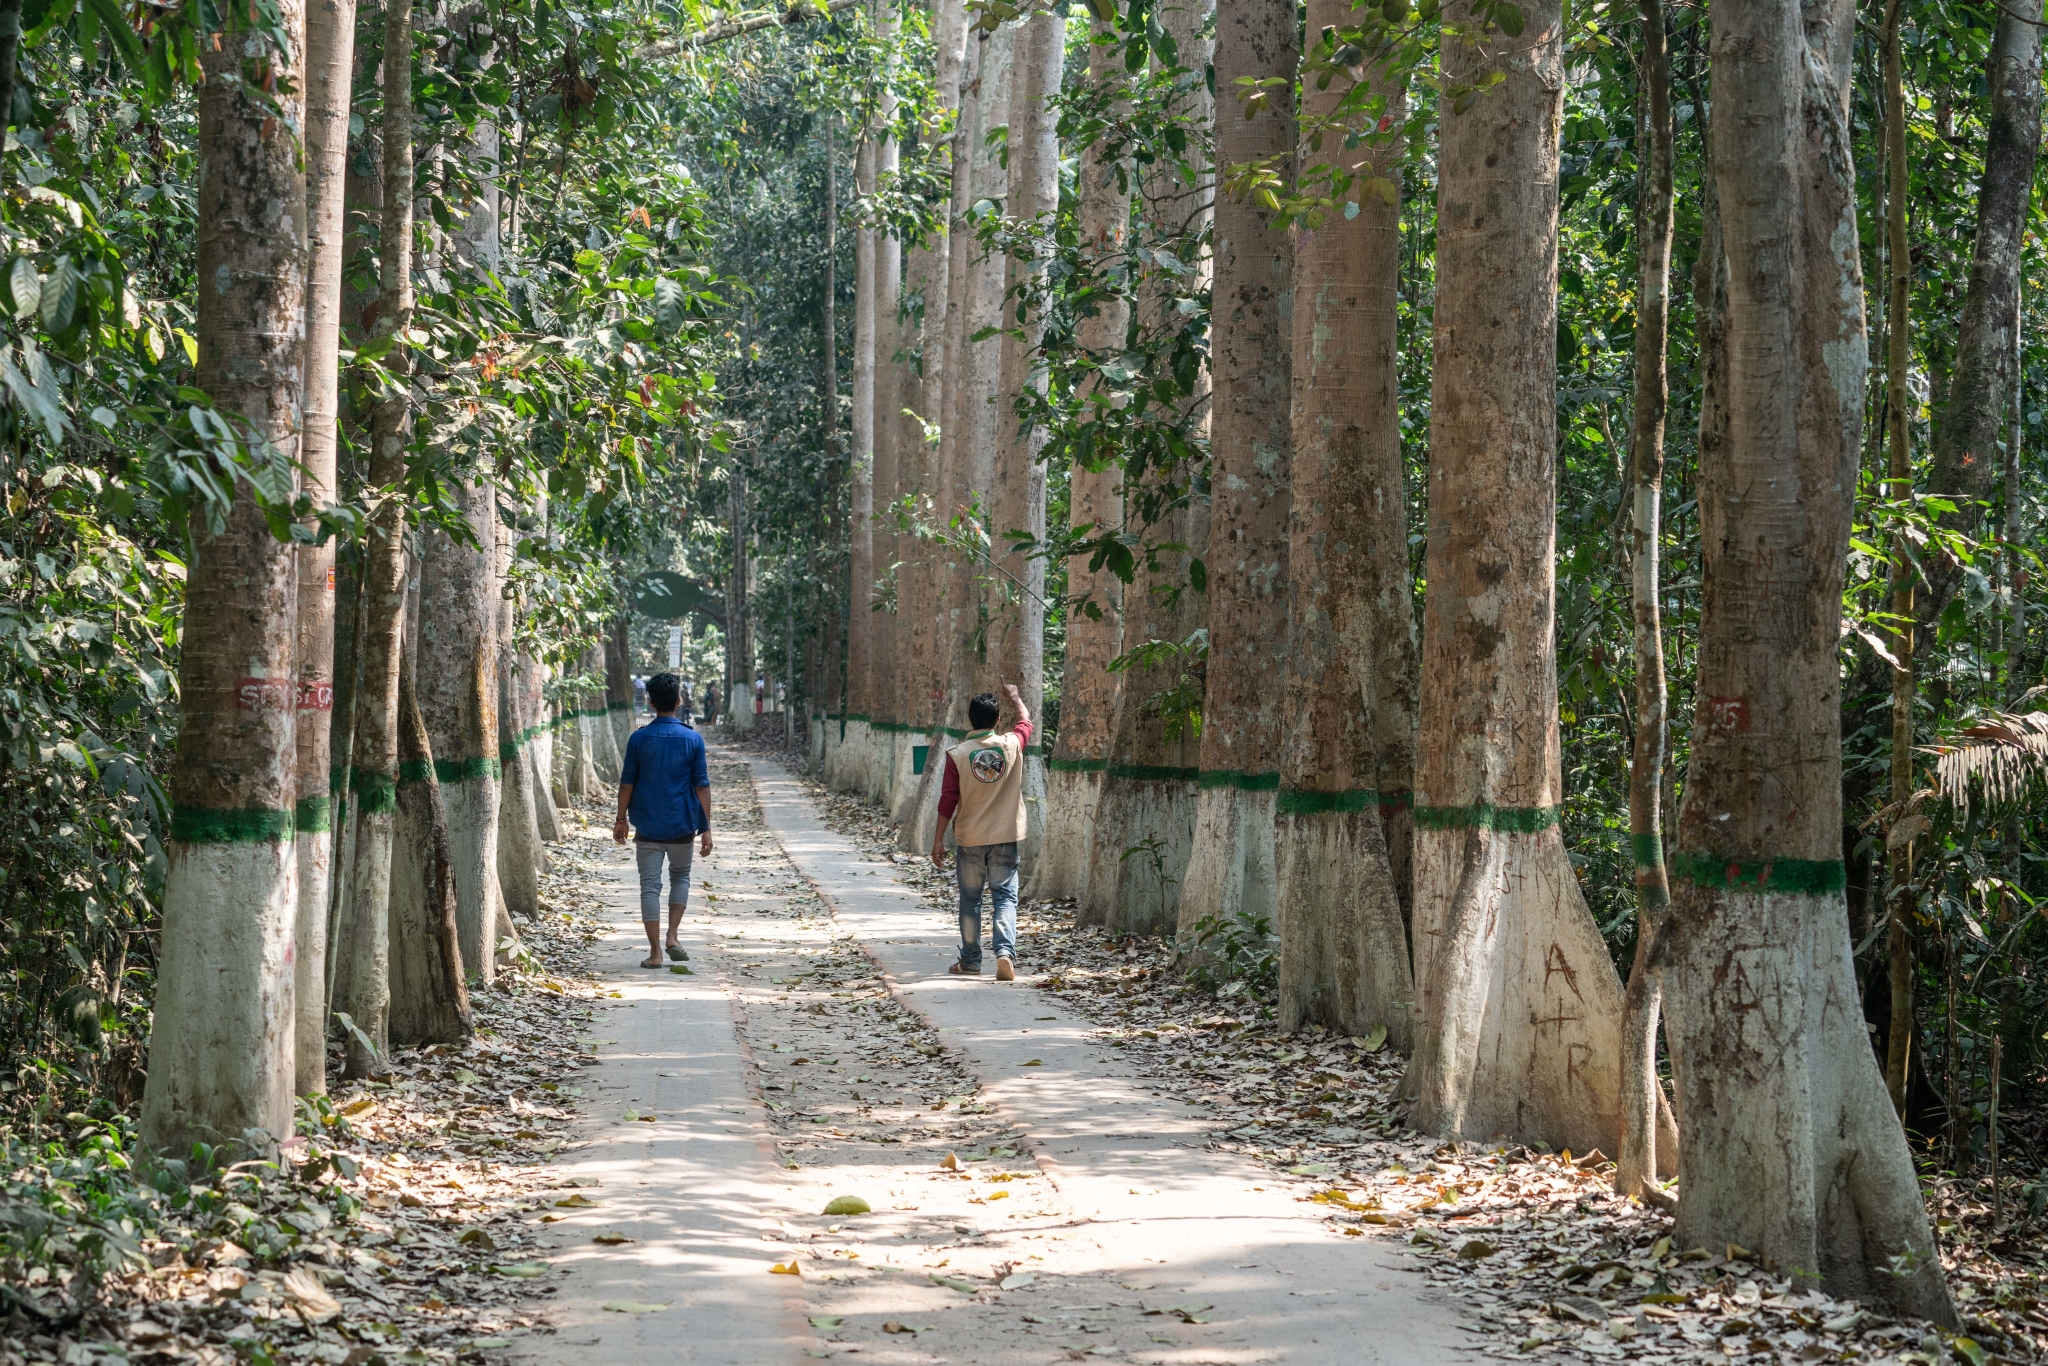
(665, 765)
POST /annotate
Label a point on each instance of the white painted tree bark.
(1348, 754)
(427, 996)
(330, 58)
(221, 1054)
(1519, 1007)
(536, 721)
(1790, 1145)
(360, 977)
(1230, 867)
(458, 645)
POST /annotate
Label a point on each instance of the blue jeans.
(993, 866)
(649, 856)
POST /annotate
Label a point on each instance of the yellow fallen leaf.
(610, 1238)
(949, 1163)
(788, 1268)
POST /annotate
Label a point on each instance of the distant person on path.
(989, 803)
(684, 708)
(666, 793)
(711, 703)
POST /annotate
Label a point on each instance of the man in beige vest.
(982, 798)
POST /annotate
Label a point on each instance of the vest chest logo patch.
(987, 764)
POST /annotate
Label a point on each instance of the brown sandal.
(959, 971)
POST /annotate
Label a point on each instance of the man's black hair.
(982, 710)
(664, 691)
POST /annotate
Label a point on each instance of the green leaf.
(849, 1204)
(118, 32)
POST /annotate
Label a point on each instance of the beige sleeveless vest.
(991, 769)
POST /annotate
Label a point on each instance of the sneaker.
(958, 971)
(1005, 972)
(677, 953)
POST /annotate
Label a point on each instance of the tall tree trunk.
(834, 690)
(1231, 870)
(221, 1055)
(1350, 660)
(1017, 481)
(1094, 608)
(1518, 1007)
(618, 679)
(941, 276)
(519, 851)
(330, 62)
(969, 451)
(534, 721)
(1145, 817)
(458, 645)
(1789, 1147)
(1641, 1091)
(362, 944)
(857, 750)
(428, 996)
(1899, 460)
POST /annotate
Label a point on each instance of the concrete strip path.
(1191, 1226)
(694, 1189)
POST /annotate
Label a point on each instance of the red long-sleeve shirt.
(949, 786)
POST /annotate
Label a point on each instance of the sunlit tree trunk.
(458, 648)
(519, 850)
(1095, 628)
(1350, 658)
(1145, 816)
(1231, 870)
(618, 679)
(1518, 1027)
(428, 996)
(540, 749)
(330, 57)
(1641, 1091)
(1017, 481)
(941, 284)
(969, 450)
(857, 748)
(1789, 1147)
(361, 987)
(221, 1055)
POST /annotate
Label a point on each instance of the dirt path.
(1078, 1217)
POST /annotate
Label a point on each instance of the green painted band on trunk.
(1302, 801)
(1798, 876)
(1076, 765)
(337, 780)
(1153, 773)
(1508, 820)
(1648, 850)
(374, 791)
(1237, 778)
(313, 815)
(206, 825)
(462, 770)
(508, 752)
(415, 771)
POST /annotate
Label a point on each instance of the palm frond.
(1999, 761)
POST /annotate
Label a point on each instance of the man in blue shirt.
(666, 793)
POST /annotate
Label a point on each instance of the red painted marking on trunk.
(316, 695)
(1554, 963)
(1728, 715)
(262, 694)
(330, 578)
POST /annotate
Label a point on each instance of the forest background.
(635, 357)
